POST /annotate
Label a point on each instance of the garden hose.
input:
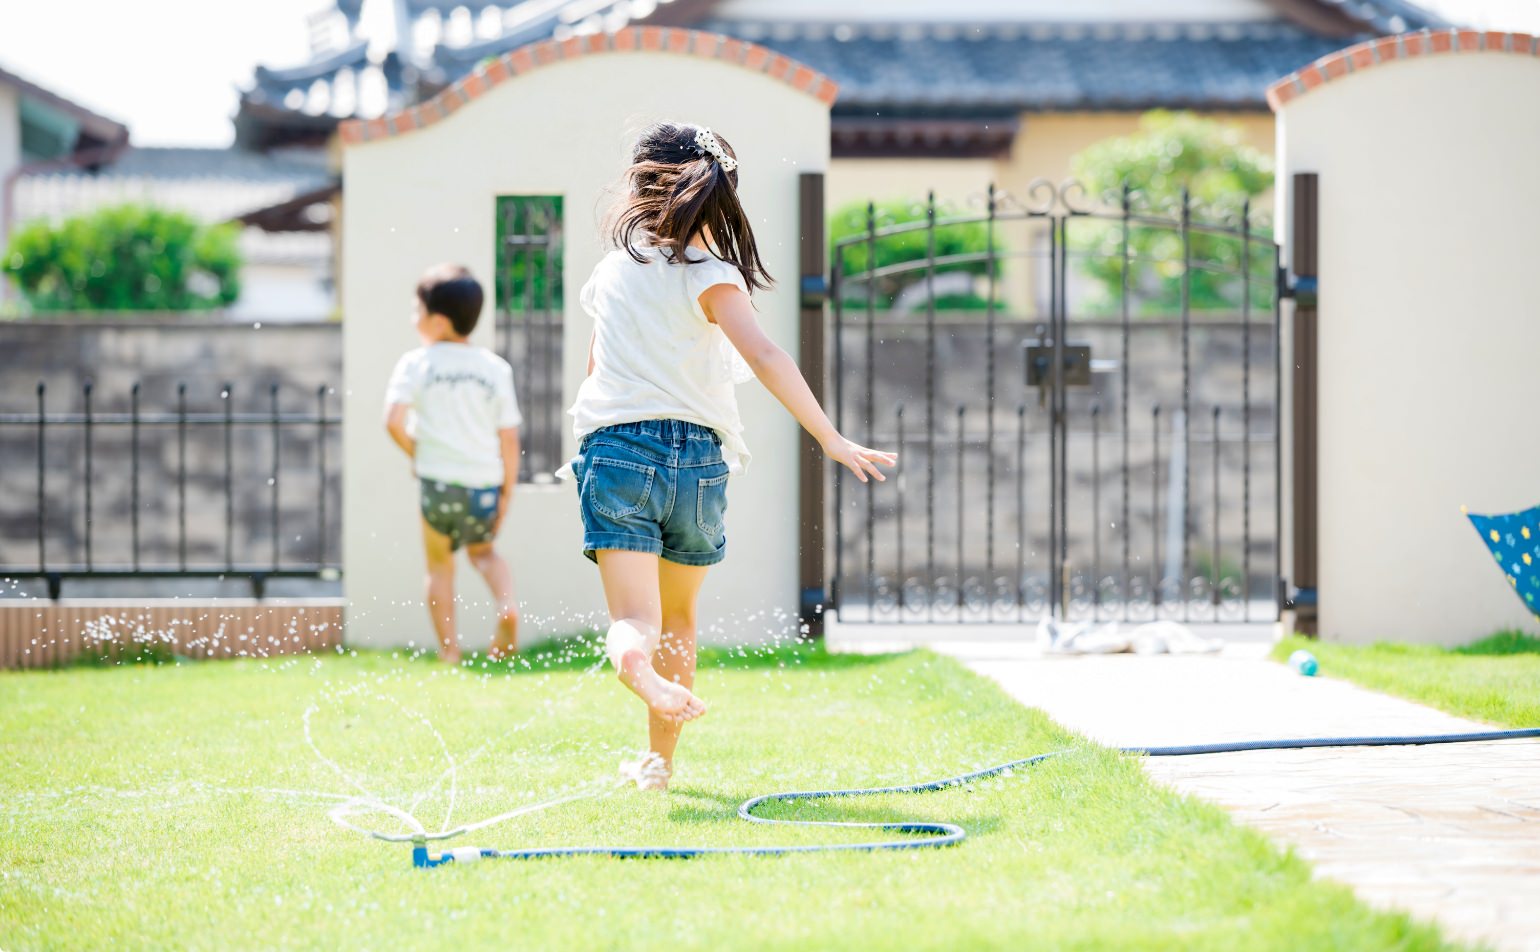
(917, 834)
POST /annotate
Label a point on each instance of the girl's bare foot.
(505, 643)
(670, 701)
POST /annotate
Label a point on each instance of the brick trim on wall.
(750, 56)
(37, 633)
(1371, 53)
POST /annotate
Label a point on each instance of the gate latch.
(1076, 364)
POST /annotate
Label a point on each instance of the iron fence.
(252, 493)
(1112, 459)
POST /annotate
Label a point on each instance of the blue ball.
(1304, 663)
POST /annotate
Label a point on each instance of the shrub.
(909, 247)
(125, 258)
(1172, 151)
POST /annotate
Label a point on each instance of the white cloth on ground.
(1158, 637)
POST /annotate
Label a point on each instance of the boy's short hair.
(449, 289)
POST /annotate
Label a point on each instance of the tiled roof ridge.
(750, 56)
(1371, 53)
(207, 163)
(1384, 15)
(1010, 29)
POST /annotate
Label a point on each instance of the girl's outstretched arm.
(729, 308)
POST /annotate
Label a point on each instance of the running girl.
(657, 420)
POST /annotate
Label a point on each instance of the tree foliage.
(528, 276)
(969, 240)
(125, 258)
(1169, 153)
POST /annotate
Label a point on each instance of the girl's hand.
(859, 459)
(729, 308)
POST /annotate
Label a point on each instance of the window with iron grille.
(529, 323)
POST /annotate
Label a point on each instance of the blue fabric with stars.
(1514, 539)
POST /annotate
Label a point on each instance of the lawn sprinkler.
(1303, 662)
(423, 859)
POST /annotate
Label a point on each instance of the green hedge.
(125, 258)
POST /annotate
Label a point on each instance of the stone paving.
(1449, 833)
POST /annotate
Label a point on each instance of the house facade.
(41, 130)
(933, 96)
(286, 252)
(59, 159)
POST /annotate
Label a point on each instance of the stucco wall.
(955, 181)
(428, 195)
(1043, 148)
(10, 129)
(1048, 141)
(1428, 335)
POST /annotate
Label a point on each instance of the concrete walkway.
(1449, 832)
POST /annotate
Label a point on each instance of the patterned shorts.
(463, 514)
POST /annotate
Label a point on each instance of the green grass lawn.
(1496, 680)
(157, 806)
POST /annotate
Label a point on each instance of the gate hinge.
(1301, 598)
(815, 291)
(1301, 287)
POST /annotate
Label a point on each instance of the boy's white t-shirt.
(460, 395)
(656, 355)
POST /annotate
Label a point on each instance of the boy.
(464, 448)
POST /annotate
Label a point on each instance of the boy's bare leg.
(674, 661)
(631, 589)
(441, 591)
(499, 577)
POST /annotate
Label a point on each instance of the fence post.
(133, 466)
(42, 498)
(86, 392)
(810, 354)
(1301, 594)
(320, 444)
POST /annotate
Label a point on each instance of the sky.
(170, 69)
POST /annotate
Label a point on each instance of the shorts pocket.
(618, 488)
(711, 504)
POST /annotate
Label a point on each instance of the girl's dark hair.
(676, 190)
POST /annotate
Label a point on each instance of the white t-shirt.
(460, 396)
(656, 355)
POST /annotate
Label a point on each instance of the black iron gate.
(1084, 396)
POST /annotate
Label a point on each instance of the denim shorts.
(463, 513)
(656, 486)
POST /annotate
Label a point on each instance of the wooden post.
(810, 355)
(1303, 598)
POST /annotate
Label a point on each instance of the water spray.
(885, 835)
(897, 834)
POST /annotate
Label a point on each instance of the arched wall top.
(1371, 53)
(525, 59)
